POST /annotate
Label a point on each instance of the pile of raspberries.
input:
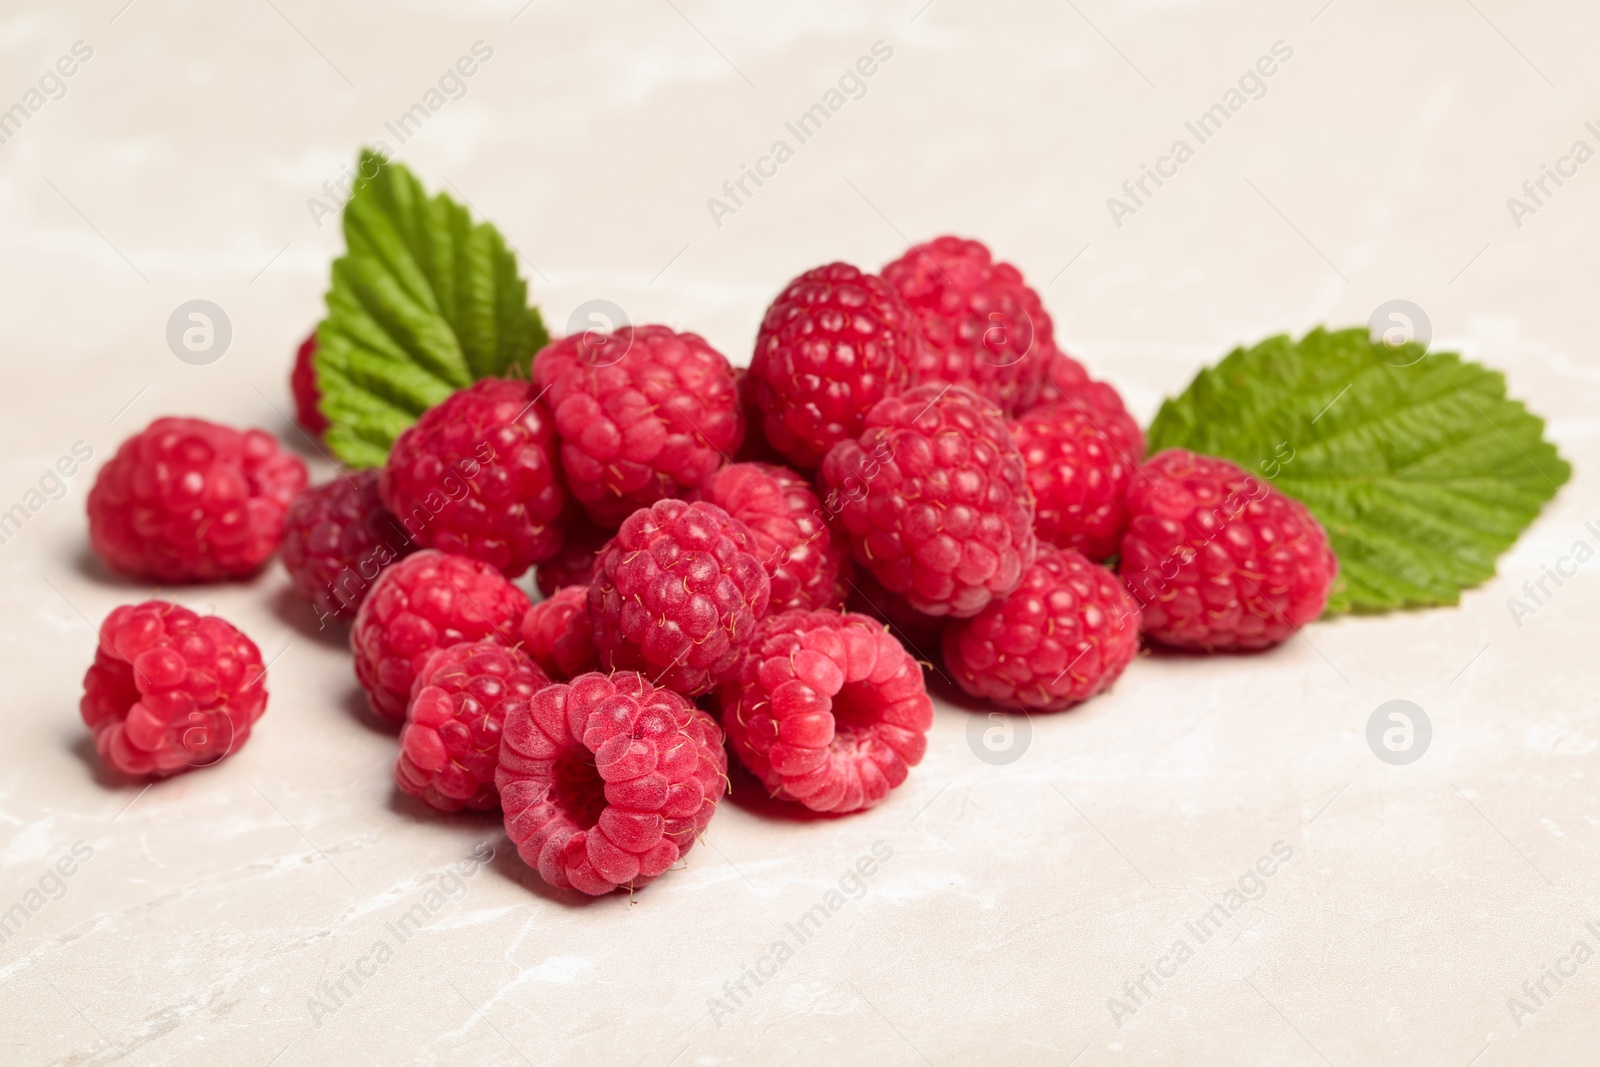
(738, 566)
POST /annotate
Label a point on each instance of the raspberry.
(1079, 477)
(170, 690)
(557, 636)
(303, 384)
(187, 500)
(982, 325)
(935, 499)
(1220, 559)
(644, 414)
(338, 537)
(1069, 383)
(827, 709)
(808, 564)
(450, 745)
(834, 342)
(476, 476)
(573, 564)
(606, 782)
(427, 601)
(676, 594)
(1061, 636)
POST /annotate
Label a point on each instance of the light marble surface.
(216, 909)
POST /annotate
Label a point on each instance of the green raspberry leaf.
(1420, 467)
(423, 302)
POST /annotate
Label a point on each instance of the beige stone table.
(195, 152)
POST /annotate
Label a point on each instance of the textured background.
(180, 163)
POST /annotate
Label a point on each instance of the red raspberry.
(1079, 477)
(476, 476)
(191, 501)
(808, 563)
(827, 709)
(450, 745)
(557, 636)
(644, 414)
(1220, 559)
(676, 594)
(606, 782)
(338, 537)
(833, 343)
(581, 542)
(427, 601)
(935, 499)
(982, 325)
(170, 690)
(303, 384)
(1062, 636)
(1069, 383)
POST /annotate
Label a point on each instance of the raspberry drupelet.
(935, 500)
(606, 781)
(338, 538)
(1067, 382)
(1219, 559)
(186, 500)
(982, 325)
(644, 414)
(427, 601)
(170, 690)
(834, 342)
(676, 594)
(476, 476)
(827, 709)
(1063, 635)
(450, 745)
(808, 563)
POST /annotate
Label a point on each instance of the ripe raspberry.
(676, 594)
(808, 563)
(1079, 477)
(450, 745)
(606, 782)
(1062, 636)
(573, 564)
(303, 384)
(982, 325)
(427, 601)
(834, 342)
(1220, 559)
(187, 500)
(557, 636)
(338, 537)
(170, 690)
(1069, 383)
(476, 476)
(827, 709)
(935, 499)
(644, 414)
